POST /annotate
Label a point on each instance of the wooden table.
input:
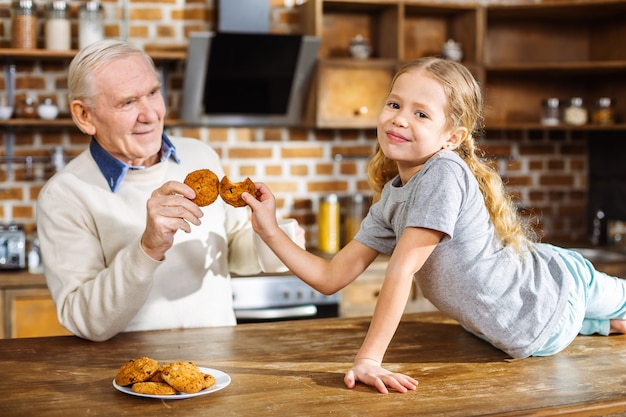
(296, 369)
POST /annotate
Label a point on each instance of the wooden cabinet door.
(351, 94)
(30, 312)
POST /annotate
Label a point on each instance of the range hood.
(242, 75)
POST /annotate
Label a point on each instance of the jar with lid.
(27, 108)
(356, 209)
(58, 29)
(23, 24)
(603, 111)
(360, 47)
(550, 112)
(90, 23)
(575, 112)
(328, 238)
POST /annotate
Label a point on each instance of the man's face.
(128, 111)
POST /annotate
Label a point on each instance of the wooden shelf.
(563, 127)
(22, 123)
(579, 67)
(30, 54)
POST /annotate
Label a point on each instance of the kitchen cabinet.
(341, 99)
(521, 53)
(359, 298)
(26, 307)
(564, 50)
(397, 31)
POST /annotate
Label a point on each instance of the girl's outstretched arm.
(413, 248)
(325, 276)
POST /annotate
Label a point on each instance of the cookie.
(184, 377)
(156, 376)
(136, 370)
(209, 380)
(231, 191)
(206, 185)
(153, 388)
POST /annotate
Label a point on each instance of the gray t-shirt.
(515, 301)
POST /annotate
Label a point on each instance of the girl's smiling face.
(412, 125)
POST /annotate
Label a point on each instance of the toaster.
(12, 247)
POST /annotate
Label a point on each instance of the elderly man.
(109, 221)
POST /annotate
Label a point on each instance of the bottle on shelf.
(599, 229)
(58, 30)
(90, 24)
(27, 108)
(575, 112)
(35, 265)
(550, 112)
(603, 111)
(328, 240)
(23, 24)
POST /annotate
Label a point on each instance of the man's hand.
(169, 209)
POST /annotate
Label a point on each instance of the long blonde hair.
(465, 109)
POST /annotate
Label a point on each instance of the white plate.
(222, 380)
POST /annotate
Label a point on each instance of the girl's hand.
(370, 372)
(263, 206)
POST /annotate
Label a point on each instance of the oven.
(279, 297)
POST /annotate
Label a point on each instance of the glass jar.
(575, 112)
(58, 28)
(550, 112)
(23, 24)
(356, 210)
(27, 108)
(360, 47)
(603, 111)
(90, 24)
(328, 238)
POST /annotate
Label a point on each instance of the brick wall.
(546, 170)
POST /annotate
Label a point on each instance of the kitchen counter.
(296, 369)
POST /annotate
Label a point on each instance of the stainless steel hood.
(247, 79)
(242, 75)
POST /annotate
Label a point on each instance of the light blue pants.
(594, 299)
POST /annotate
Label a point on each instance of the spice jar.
(328, 224)
(356, 210)
(603, 111)
(90, 24)
(360, 47)
(58, 29)
(27, 108)
(23, 24)
(550, 112)
(575, 113)
(452, 50)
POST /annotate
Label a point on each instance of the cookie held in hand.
(206, 185)
(231, 191)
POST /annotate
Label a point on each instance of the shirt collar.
(115, 170)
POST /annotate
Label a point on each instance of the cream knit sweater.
(99, 277)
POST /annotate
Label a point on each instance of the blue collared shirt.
(115, 170)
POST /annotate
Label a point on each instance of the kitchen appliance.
(279, 297)
(12, 247)
(247, 79)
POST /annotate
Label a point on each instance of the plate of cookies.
(145, 377)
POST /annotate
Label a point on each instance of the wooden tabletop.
(296, 369)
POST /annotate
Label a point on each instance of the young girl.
(444, 217)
